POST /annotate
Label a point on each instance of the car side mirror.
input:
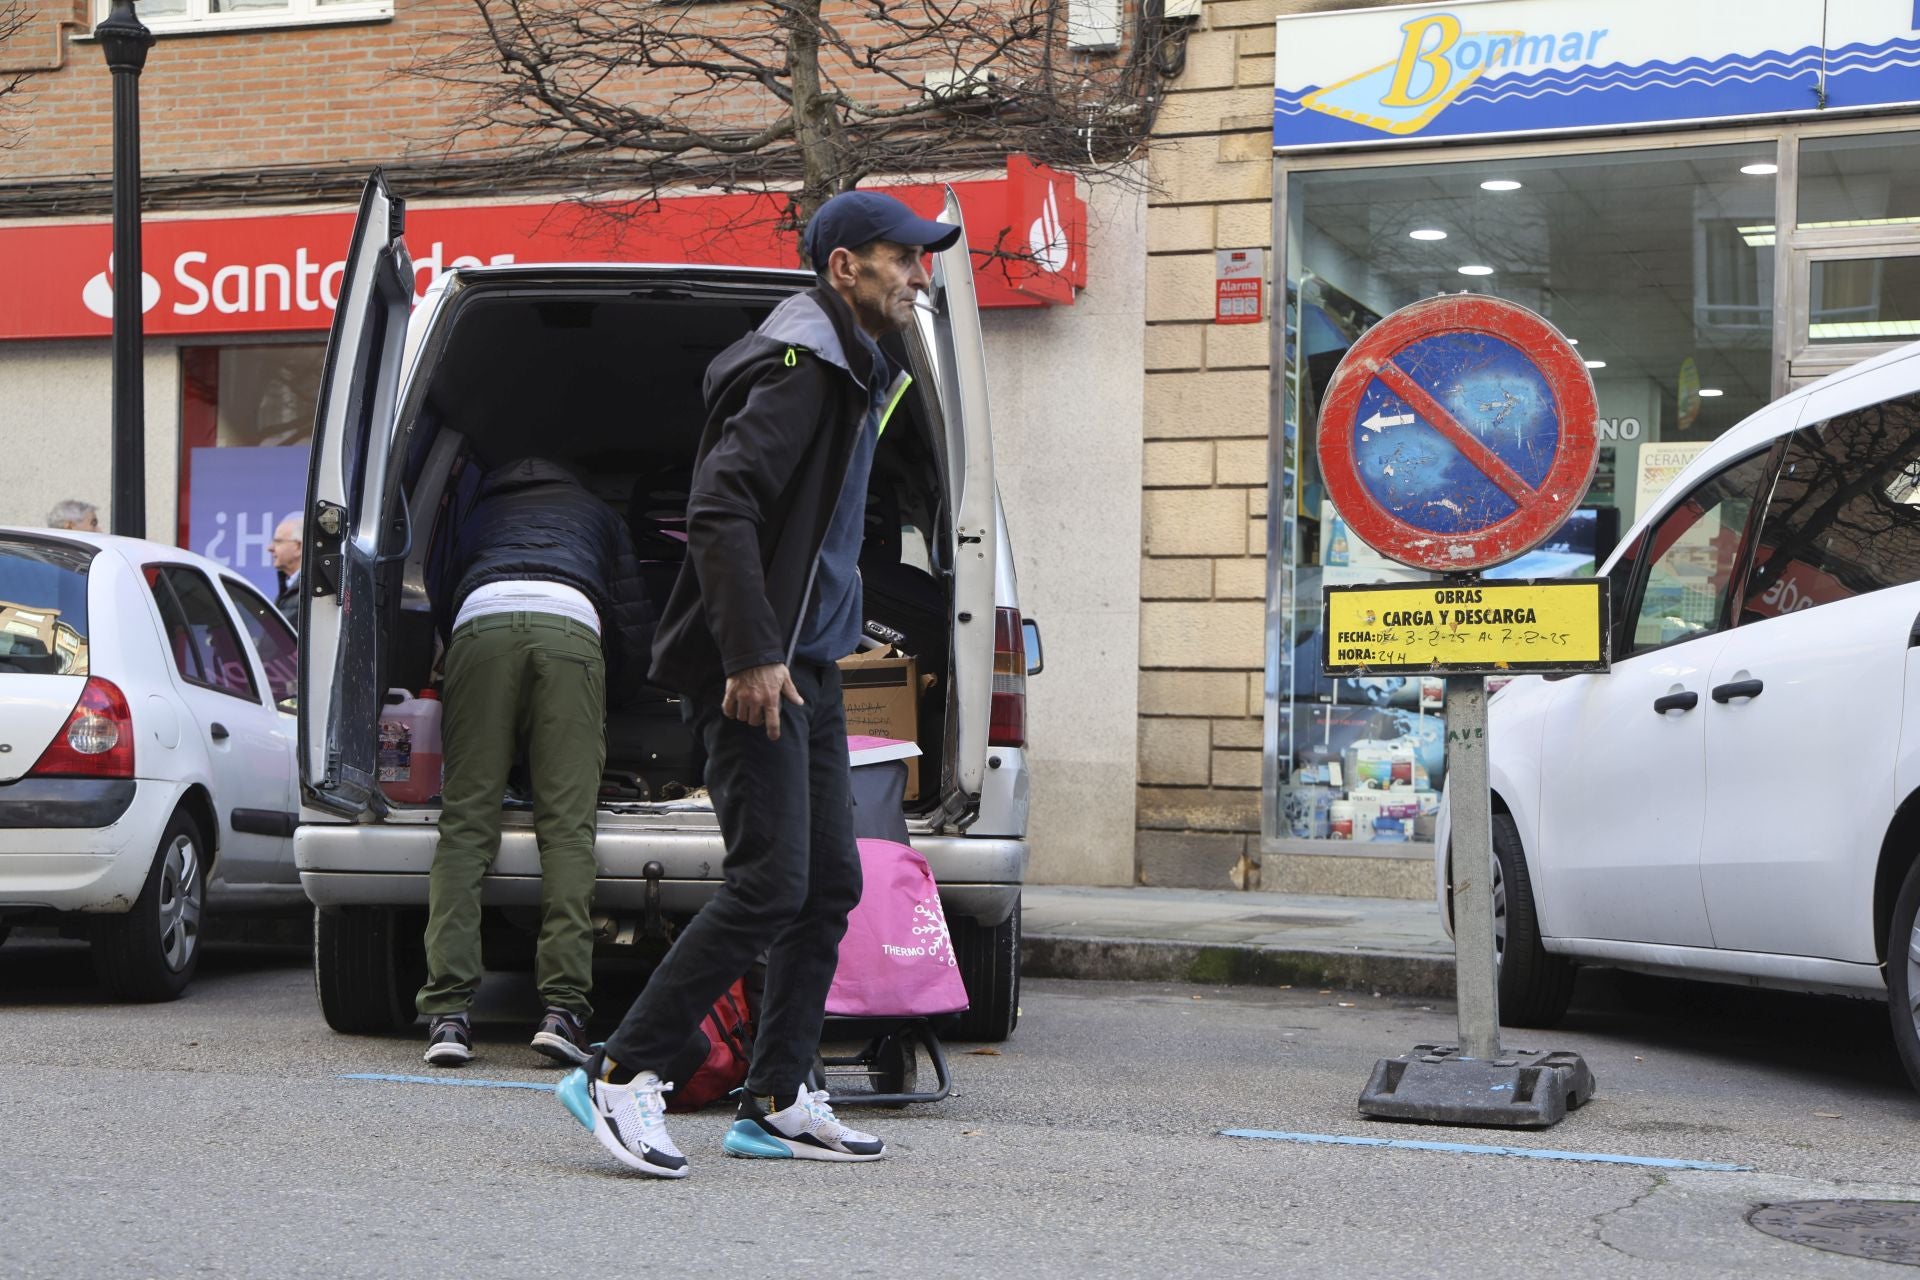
(1036, 656)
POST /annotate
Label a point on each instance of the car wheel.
(1535, 986)
(368, 964)
(990, 967)
(1903, 974)
(150, 953)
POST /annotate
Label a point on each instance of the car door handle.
(1738, 689)
(217, 731)
(1685, 700)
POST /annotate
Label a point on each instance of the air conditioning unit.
(1093, 26)
(956, 84)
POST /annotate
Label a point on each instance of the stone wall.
(1204, 475)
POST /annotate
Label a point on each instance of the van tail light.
(95, 742)
(1009, 728)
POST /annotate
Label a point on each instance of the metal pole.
(125, 40)
(1476, 967)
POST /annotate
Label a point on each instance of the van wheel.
(1903, 974)
(368, 963)
(151, 952)
(990, 967)
(1535, 986)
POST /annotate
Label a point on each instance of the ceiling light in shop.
(1761, 170)
(1573, 342)
(1757, 237)
(1476, 270)
(1499, 184)
(1596, 364)
(1428, 233)
(1710, 392)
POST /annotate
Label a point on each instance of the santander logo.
(299, 283)
(98, 293)
(1047, 237)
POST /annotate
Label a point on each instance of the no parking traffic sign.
(1458, 433)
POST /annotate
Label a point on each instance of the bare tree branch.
(809, 95)
(14, 17)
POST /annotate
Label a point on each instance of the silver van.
(601, 365)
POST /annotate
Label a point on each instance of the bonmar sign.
(278, 273)
(1501, 68)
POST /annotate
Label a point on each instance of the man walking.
(543, 572)
(285, 550)
(768, 599)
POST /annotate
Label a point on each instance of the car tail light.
(1009, 727)
(97, 739)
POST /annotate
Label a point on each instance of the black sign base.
(1523, 1090)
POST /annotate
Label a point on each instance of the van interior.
(607, 381)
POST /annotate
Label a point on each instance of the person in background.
(768, 599)
(74, 514)
(285, 550)
(546, 596)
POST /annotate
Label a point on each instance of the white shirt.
(520, 596)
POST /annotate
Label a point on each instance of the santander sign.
(280, 273)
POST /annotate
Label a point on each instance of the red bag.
(714, 1063)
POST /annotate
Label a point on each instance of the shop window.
(1659, 264)
(1870, 180)
(246, 431)
(179, 17)
(1854, 300)
(1844, 517)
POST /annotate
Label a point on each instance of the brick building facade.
(277, 120)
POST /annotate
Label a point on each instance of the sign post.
(1456, 435)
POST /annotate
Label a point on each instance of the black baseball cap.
(854, 219)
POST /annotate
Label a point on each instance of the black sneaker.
(449, 1042)
(562, 1036)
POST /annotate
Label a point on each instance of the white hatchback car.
(146, 749)
(1738, 799)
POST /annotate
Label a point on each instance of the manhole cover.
(1883, 1230)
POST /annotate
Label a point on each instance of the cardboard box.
(882, 694)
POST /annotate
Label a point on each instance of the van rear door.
(346, 488)
(963, 375)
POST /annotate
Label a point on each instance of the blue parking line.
(1473, 1149)
(464, 1083)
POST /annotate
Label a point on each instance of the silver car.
(601, 366)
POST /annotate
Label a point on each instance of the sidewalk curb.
(1234, 964)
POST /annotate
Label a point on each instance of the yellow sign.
(1467, 627)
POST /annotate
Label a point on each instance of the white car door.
(963, 373)
(246, 743)
(1803, 726)
(277, 664)
(347, 502)
(1623, 783)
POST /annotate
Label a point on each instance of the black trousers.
(792, 874)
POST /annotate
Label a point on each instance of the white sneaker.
(628, 1119)
(804, 1131)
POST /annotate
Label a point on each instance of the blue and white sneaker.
(628, 1119)
(804, 1131)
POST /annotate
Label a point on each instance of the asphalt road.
(217, 1137)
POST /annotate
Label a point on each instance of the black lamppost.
(125, 40)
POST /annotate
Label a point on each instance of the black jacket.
(784, 408)
(288, 599)
(531, 521)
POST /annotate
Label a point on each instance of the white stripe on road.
(1473, 1149)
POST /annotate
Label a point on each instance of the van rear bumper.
(386, 865)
